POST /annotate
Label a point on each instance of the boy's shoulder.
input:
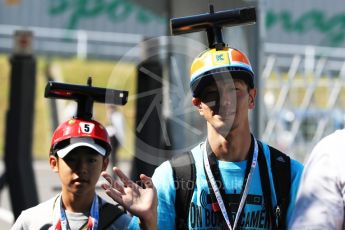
(43, 208)
(36, 217)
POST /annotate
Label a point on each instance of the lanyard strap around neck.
(216, 190)
(61, 222)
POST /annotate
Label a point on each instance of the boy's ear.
(252, 96)
(53, 161)
(105, 163)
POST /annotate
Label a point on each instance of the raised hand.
(140, 201)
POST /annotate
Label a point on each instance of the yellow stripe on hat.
(209, 59)
(214, 59)
(220, 58)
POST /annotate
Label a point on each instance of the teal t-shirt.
(201, 215)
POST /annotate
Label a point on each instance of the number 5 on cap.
(86, 127)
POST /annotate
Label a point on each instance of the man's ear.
(53, 161)
(105, 163)
(252, 96)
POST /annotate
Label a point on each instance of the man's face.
(225, 104)
(79, 171)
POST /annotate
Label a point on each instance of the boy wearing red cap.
(79, 153)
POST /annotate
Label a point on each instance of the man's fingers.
(106, 176)
(115, 195)
(147, 181)
(118, 187)
(113, 184)
(105, 186)
(123, 178)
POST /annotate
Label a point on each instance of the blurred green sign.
(332, 28)
(114, 10)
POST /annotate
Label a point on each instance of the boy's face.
(225, 104)
(79, 171)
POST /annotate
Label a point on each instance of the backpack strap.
(108, 213)
(265, 186)
(184, 173)
(281, 173)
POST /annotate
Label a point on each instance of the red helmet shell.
(80, 128)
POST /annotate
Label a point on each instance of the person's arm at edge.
(318, 203)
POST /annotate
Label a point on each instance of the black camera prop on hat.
(85, 96)
(212, 22)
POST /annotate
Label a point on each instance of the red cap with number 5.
(75, 133)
